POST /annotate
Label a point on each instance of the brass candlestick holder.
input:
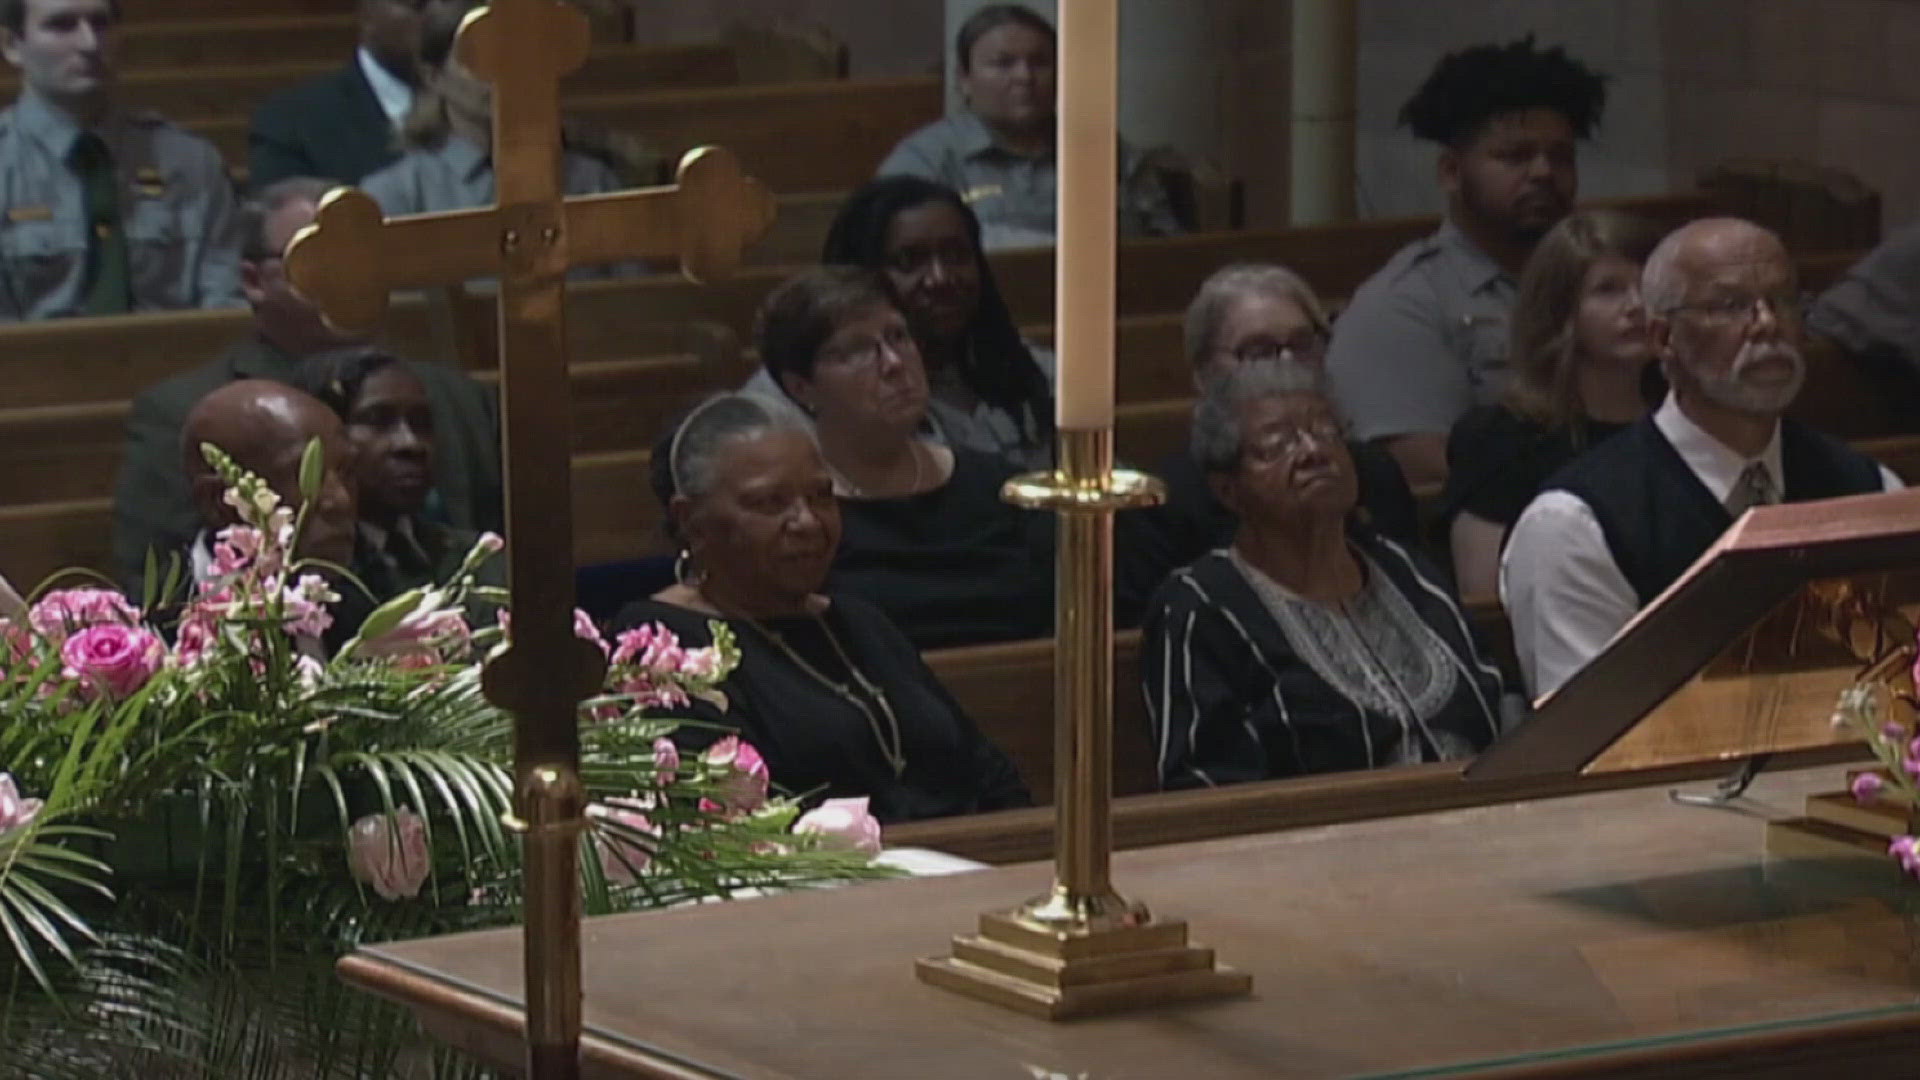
(1082, 948)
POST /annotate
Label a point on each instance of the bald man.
(1615, 528)
(265, 427)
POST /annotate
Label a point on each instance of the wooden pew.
(630, 375)
(103, 359)
(812, 136)
(211, 42)
(191, 95)
(231, 85)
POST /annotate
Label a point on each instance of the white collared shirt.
(1565, 596)
(395, 96)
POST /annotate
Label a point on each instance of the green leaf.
(384, 618)
(313, 466)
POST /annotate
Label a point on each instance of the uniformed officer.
(1425, 338)
(105, 211)
(999, 150)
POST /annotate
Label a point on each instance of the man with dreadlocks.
(1425, 338)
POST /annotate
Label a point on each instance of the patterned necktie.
(1754, 488)
(108, 288)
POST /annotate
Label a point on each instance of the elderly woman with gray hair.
(834, 696)
(1244, 313)
(1309, 643)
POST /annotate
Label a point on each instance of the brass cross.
(350, 259)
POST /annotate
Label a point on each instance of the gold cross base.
(1018, 963)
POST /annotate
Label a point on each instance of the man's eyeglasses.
(1739, 310)
(1308, 346)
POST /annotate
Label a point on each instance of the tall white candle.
(1084, 265)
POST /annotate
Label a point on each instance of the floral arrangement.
(194, 825)
(1881, 714)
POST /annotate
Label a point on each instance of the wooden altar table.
(1607, 935)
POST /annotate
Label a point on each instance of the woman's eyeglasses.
(1307, 346)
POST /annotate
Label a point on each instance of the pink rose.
(114, 659)
(666, 761)
(743, 785)
(618, 828)
(14, 810)
(64, 611)
(842, 825)
(389, 853)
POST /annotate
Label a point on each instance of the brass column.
(1082, 948)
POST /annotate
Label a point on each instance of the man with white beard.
(1615, 528)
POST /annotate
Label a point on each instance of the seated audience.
(107, 210)
(152, 506)
(345, 124)
(1247, 313)
(828, 689)
(1580, 353)
(389, 424)
(999, 152)
(1309, 644)
(926, 537)
(1612, 530)
(1873, 312)
(990, 390)
(447, 142)
(1425, 338)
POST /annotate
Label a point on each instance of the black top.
(330, 127)
(951, 566)
(1658, 517)
(1150, 544)
(1239, 692)
(1497, 461)
(819, 745)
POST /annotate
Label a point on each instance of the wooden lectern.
(1743, 658)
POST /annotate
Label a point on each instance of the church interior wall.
(1695, 82)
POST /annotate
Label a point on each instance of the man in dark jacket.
(153, 506)
(341, 125)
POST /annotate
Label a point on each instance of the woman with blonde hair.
(1580, 357)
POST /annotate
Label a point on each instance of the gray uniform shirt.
(1423, 340)
(457, 175)
(176, 211)
(1014, 194)
(1875, 308)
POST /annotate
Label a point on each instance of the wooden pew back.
(1008, 691)
(812, 136)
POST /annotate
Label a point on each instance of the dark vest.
(1658, 517)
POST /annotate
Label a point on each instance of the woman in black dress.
(926, 538)
(1580, 355)
(1309, 644)
(834, 697)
